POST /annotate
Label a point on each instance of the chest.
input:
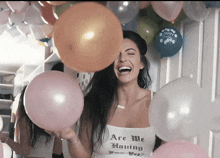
(136, 116)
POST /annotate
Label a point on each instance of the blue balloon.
(212, 4)
(132, 25)
(168, 41)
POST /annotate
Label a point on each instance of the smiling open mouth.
(124, 69)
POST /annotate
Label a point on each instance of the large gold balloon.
(88, 37)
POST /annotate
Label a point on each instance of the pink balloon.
(4, 15)
(53, 100)
(180, 149)
(4, 6)
(33, 15)
(16, 18)
(24, 29)
(18, 6)
(37, 31)
(47, 29)
(1, 150)
(168, 10)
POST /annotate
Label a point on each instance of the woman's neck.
(127, 93)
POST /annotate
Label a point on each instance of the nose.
(122, 57)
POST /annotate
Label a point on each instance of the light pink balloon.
(4, 15)
(33, 16)
(1, 150)
(180, 149)
(168, 10)
(47, 29)
(4, 6)
(16, 18)
(24, 29)
(18, 7)
(53, 100)
(37, 31)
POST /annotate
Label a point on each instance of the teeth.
(125, 68)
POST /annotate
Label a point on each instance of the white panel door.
(199, 59)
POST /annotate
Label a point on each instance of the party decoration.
(2, 28)
(4, 6)
(175, 110)
(124, 10)
(18, 7)
(196, 10)
(33, 16)
(37, 32)
(7, 151)
(51, 95)
(47, 29)
(132, 25)
(212, 4)
(168, 10)
(43, 3)
(144, 4)
(12, 30)
(1, 149)
(88, 37)
(47, 15)
(16, 18)
(4, 15)
(24, 29)
(1, 123)
(146, 28)
(56, 3)
(168, 42)
(180, 149)
(58, 10)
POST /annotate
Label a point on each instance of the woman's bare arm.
(79, 146)
(23, 148)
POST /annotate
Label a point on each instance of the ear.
(142, 65)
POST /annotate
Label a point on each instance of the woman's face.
(128, 63)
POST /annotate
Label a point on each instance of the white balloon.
(2, 28)
(175, 110)
(1, 123)
(24, 29)
(7, 151)
(37, 32)
(196, 10)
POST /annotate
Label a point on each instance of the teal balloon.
(168, 42)
(146, 28)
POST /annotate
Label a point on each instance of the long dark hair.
(35, 131)
(102, 91)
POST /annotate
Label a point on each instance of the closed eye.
(131, 53)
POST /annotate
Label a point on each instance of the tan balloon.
(88, 37)
(144, 4)
(55, 3)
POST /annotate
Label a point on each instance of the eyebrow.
(130, 49)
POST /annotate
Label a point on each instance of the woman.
(32, 141)
(115, 122)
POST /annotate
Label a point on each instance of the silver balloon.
(124, 10)
(175, 110)
(196, 10)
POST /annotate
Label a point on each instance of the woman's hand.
(68, 134)
(2, 137)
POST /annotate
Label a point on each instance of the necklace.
(120, 106)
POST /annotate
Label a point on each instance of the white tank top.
(124, 142)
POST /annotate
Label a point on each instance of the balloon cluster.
(175, 113)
